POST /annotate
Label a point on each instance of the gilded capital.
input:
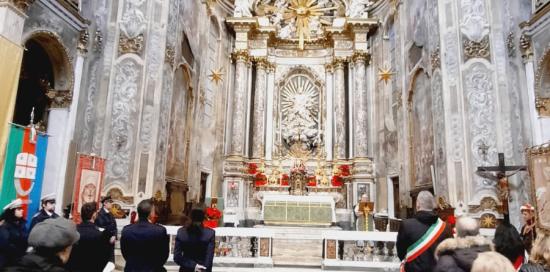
(83, 40)
(60, 99)
(360, 56)
(338, 63)
(241, 55)
(329, 68)
(525, 46)
(542, 104)
(261, 62)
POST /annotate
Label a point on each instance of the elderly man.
(52, 242)
(458, 254)
(419, 236)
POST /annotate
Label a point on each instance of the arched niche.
(46, 72)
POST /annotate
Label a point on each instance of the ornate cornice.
(130, 45)
(241, 55)
(360, 56)
(60, 99)
(22, 5)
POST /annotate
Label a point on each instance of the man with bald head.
(419, 236)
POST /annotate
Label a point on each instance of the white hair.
(466, 226)
(425, 201)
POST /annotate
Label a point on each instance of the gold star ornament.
(216, 76)
(385, 74)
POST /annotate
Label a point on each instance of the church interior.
(284, 115)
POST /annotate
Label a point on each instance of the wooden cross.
(501, 177)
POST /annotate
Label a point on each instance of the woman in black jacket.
(508, 243)
(194, 249)
(13, 234)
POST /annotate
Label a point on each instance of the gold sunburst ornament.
(303, 11)
(216, 75)
(385, 74)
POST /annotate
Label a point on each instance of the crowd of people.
(56, 244)
(426, 243)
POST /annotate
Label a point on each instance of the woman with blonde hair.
(539, 260)
(491, 261)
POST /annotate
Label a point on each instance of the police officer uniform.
(43, 214)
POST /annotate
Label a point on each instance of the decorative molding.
(435, 58)
(83, 40)
(473, 49)
(510, 44)
(329, 68)
(474, 24)
(98, 41)
(525, 46)
(22, 5)
(60, 99)
(128, 45)
(170, 56)
(542, 104)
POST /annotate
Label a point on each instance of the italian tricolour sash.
(424, 243)
(24, 169)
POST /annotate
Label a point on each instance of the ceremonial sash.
(424, 243)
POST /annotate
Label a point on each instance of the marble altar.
(318, 210)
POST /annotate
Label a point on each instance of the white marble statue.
(358, 8)
(242, 8)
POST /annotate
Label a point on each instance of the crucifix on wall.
(500, 174)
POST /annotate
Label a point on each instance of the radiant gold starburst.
(303, 11)
(385, 74)
(216, 75)
(487, 221)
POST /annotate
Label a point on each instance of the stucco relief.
(474, 22)
(120, 153)
(133, 21)
(439, 140)
(89, 111)
(479, 93)
(451, 56)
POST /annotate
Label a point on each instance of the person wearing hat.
(47, 211)
(528, 232)
(52, 242)
(91, 253)
(144, 245)
(13, 234)
(194, 249)
(107, 221)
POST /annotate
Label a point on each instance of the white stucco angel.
(357, 8)
(242, 8)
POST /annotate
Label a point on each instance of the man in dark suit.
(106, 220)
(47, 211)
(194, 249)
(412, 230)
(144, 245)
(91, 252)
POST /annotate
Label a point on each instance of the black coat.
(33, 262)
(410, 231)
(13, 242)
(458, 254)
(91, 252)
(144, 246)
(107, 221)
(191, 250)
(41, 216)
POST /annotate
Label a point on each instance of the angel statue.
(358, 8)
(242, 8)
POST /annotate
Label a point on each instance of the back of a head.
(466, 226)
(197, 217)
(144, 209)
(508, 241)
(53, 235)
(491, 261)
(87, 211)
(425, 201)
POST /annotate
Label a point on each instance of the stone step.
(297, 252)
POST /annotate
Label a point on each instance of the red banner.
(88, 182)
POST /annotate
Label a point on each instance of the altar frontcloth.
(298, 210)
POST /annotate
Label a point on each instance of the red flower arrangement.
(311, 181)
(252, 168)
(344, 170)
(260, 179)
(284, 180)
(337, 181)
(213, 215)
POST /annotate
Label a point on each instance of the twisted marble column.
(239, 102)
(258, 121)
(360, 105)
(340, 108)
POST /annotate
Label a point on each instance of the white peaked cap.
(14, 204)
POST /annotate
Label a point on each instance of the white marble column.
(258, 122)
(54, 172)
(269, 113)
(237, 145)
(329, 70)
(360, 106)
(340, 109)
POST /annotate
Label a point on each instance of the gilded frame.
(538, 158)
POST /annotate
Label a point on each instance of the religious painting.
(539, 170)
(362, 188)
(421, 136)
(88, 182)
